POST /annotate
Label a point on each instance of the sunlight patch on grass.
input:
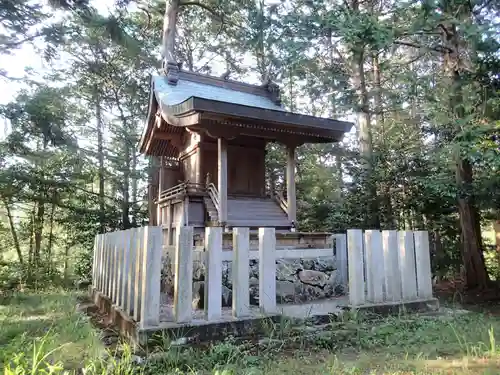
(28, 318)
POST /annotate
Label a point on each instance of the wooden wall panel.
(196, 214)
(246, 168)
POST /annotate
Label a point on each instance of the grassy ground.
(44, 322)
(355, 344)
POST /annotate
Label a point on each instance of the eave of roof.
(255, 113)
(237, 101)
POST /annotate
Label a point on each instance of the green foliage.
(70, 168)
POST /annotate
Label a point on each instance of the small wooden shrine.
(208, 136)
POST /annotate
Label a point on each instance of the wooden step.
(259, 223)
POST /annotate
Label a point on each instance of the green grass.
(42, 334)
(46, 321)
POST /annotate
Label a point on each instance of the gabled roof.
(186, 99)
(171, 95)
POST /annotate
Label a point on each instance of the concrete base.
(388, 308)
(199, 330)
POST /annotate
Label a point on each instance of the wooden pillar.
(290, 184)
(159, 216)
(199, 161)
(185, 210)
(222, 179)
(170, 240)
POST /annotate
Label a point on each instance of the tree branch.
(438, 48)
(220, 17)
(206, 7)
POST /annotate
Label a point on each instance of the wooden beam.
(290, 184)
(222, 178)
(190, 119)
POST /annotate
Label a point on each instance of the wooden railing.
(213, 193)
(280, 199)
(180, 190)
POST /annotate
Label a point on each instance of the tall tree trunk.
(100, 156)
(496, 229)
(365, 137)
(134, 183)
(38, 228)
(51, 232)
(170, 29)
(66, 264)
(127, 145)
(380, 121)
(13, 231)
(472, 246)
(126, 187)
(31, 247)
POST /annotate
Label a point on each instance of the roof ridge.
(268, 90)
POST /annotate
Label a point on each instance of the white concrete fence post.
(213, 273)
(341, 254)
(356, 267)
(112, 263)
(97, 263)
(116, 265)
(107, 264)
(101, 261)
(267, 270)
(241, 287)
(94, 261)
(183, 281)
(392, 275)
(407, 265)
(423, 263)
(375, 266)
(150, 262)
(119, 265)
(123, 290)
(139, 245)
(131, 267)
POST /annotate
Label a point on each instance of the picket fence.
(376, 267)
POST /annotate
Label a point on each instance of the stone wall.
(297, 280)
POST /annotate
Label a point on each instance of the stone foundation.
(302, 240)
(297, 280)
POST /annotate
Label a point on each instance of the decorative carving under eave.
(171, 69)
(273, 90)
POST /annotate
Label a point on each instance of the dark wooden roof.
(202, 102)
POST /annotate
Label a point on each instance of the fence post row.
(119, 271)
(388, 266)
